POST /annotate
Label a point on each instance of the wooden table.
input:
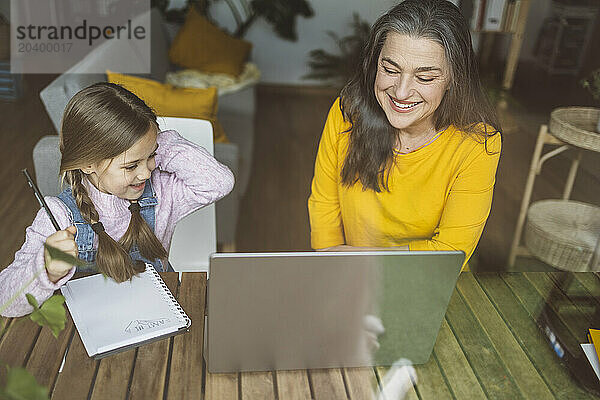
(489, 346)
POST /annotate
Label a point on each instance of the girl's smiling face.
(125, 175)
(412, 78)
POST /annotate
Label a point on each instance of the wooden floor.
(273, 215)
(24, 122)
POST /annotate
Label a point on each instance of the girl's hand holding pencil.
(62, 240)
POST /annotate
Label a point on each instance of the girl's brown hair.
(372, 138)
(100, 122)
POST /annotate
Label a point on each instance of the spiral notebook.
(113, 317)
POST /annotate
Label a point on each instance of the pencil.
(40, 199)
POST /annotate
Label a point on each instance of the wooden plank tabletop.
(488, 346)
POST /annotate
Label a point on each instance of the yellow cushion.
(201, 45)
(170, 101)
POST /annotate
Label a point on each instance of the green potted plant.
(338, 68)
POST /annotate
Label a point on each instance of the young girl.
(128, 185)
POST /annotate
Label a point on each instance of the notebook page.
(109, 315)
(590, 353)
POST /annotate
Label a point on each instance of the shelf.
(515, 44)
(564, 37)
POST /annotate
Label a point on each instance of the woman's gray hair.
(464, 104)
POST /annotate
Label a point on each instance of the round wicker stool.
(563, 233)
(576, 126)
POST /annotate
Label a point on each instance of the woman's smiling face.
(412, 78)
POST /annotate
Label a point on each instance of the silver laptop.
(269, 311)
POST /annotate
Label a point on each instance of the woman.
(409, 152)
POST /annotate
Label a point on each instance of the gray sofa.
(236, 114)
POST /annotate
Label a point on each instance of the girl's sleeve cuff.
(44, 280)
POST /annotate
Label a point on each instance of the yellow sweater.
(439, 199)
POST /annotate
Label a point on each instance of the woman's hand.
(65, 241)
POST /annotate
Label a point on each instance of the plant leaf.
(32, 301)
(60, 255)
(51, 314)
(21, 385)
(592, 84)
(281, 14)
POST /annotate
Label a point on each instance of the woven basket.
(563, 233)
(576, 126)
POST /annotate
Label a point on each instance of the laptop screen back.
(270, 311)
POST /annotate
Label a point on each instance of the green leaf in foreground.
(51, 314)
(21, 385)
(32, 301)
(60, 255)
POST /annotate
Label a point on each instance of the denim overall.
(85, 235)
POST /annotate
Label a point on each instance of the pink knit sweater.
(187, 178)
